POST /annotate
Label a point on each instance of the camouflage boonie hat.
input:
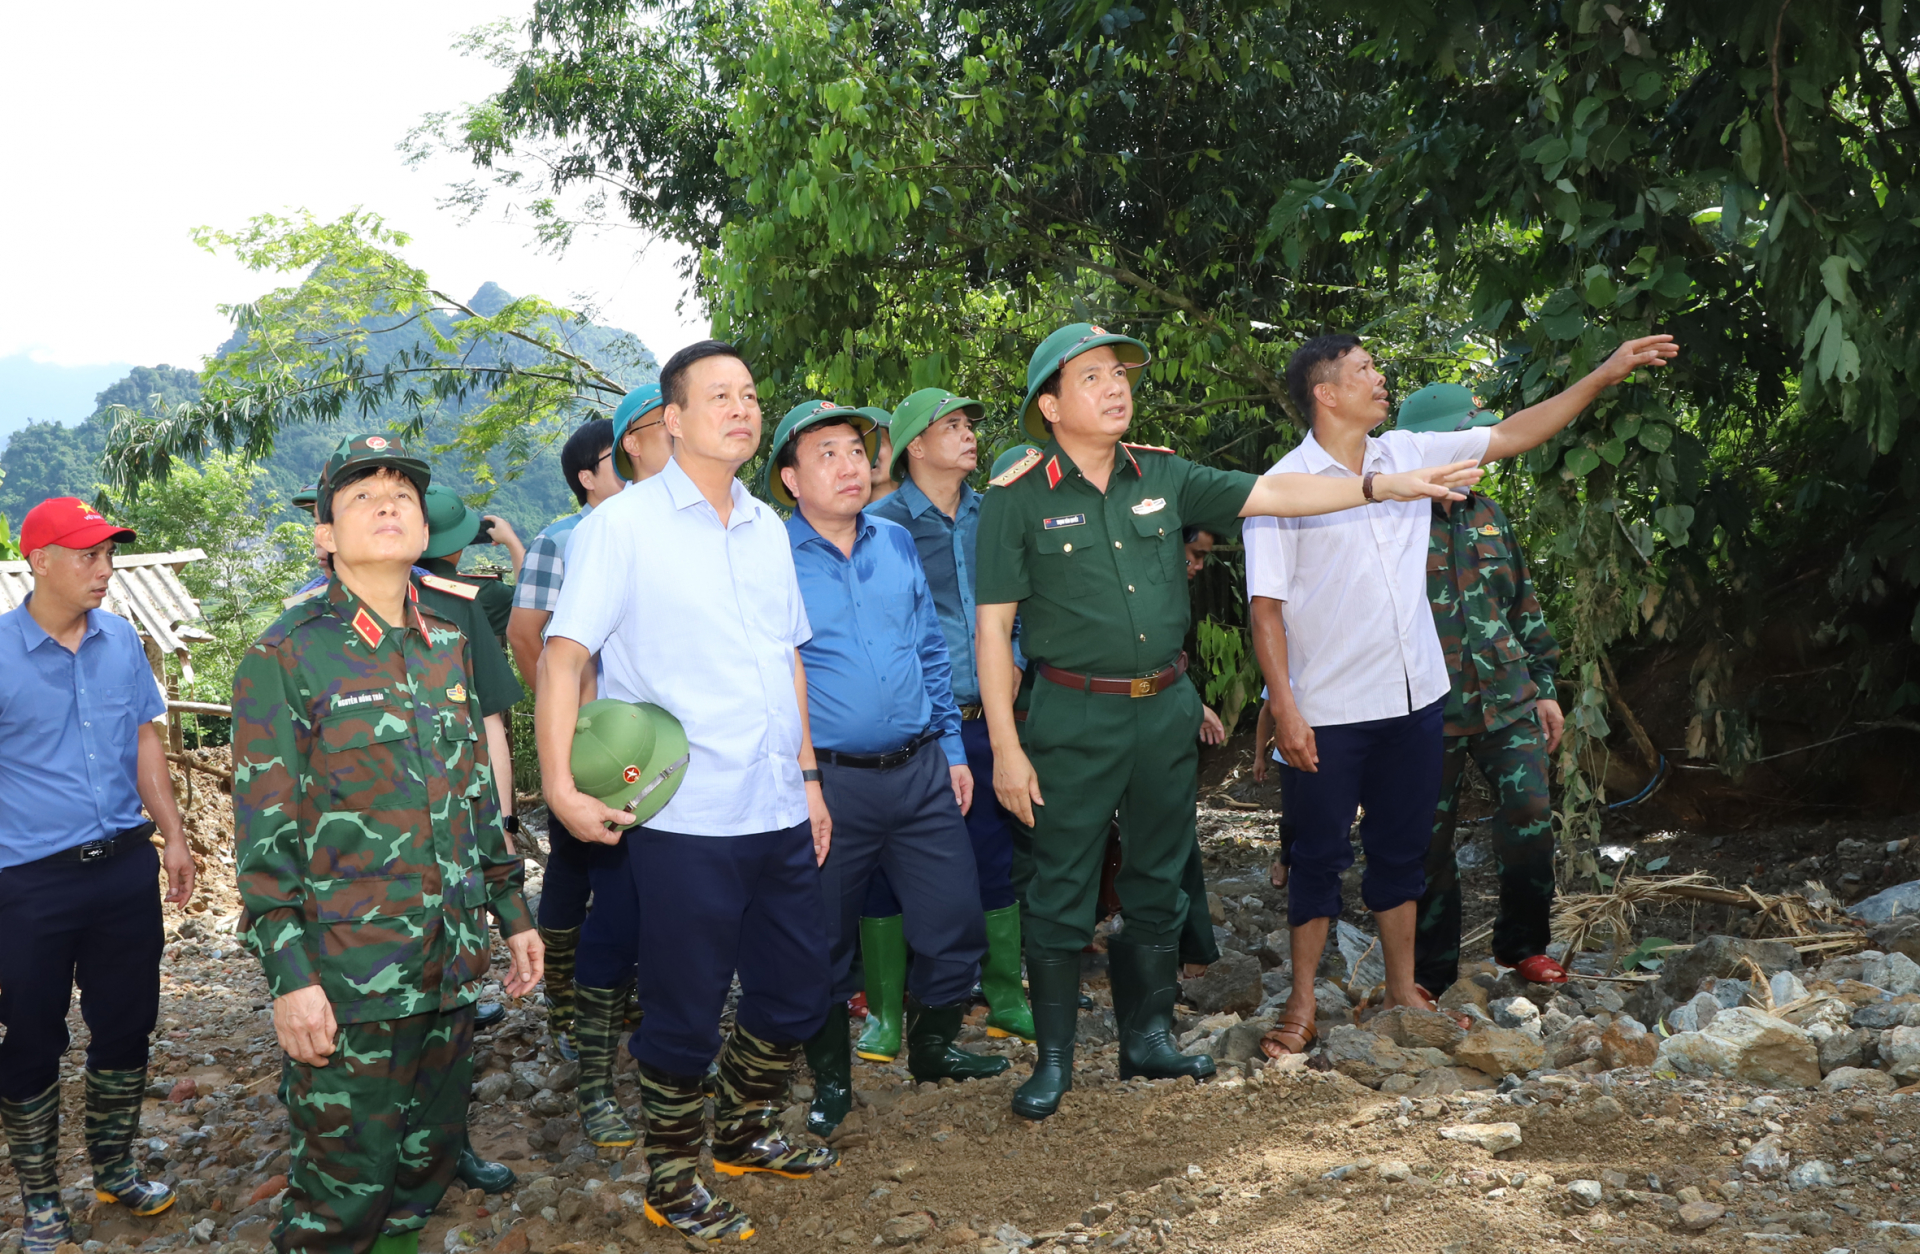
(628, 755)
(374, 450)
(1062, 347)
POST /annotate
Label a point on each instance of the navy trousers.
(568, 880)
(92, 924)
(610, 936)
(1391, 766)
(710, 906)
(904, 821)
(988, 827)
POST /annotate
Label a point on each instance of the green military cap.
(307, 497)
(920, 411)
(628, 755)
(881, 417)
(451, 522)
(1443, 407)
(1022, 455)
(799, 418)
(357, 451)
(1062, 347)
(636, 405)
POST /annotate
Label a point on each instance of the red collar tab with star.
(368, 629)
(1053, 473)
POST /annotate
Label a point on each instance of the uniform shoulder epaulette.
(452, 587)
(1013, 472)
(1149, 448)
(301, 598)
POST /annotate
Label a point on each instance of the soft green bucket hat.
(799, 418)
(628, 755)
(633, 407)
(920, 411)
(1062, 347)
(1442, 407)
(451, 522)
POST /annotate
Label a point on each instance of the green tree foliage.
(46, 459)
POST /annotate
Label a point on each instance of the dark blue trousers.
(988, 827)
(711, 906)
(610, 936)
(1391, 766)
(92, 924)
(904, 821)
(568, 880)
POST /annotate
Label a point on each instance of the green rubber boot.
(563, 946)
(1007, 1011)
(1146, 983)
(831, 1057)
(1053, 981)
(883, 949)
(931, 1053)
(597, 1017)
(396, 1243)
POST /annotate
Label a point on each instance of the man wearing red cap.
(79, 757)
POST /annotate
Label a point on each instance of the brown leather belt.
(1145, 686)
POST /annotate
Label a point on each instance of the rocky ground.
(1741, 1100)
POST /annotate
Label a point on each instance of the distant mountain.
(50, 459)
(32, 389)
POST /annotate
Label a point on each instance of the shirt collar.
(349, 607)
(918, 502)
(33, 635)
(1317, 459)
(801, 533)
(1055, 465)
(683, 491)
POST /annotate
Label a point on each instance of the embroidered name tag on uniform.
(1152, 505)
(351, 700)
(1065, 520)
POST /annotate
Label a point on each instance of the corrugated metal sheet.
(145, 589)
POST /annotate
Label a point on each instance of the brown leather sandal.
(1293, 1036)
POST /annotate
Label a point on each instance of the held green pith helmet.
(1442, 407)
(920, 411)
(628, 755)
(1062, 347)
(799, 418)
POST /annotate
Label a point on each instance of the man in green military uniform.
(1501, 713)
(1083, 542)
(369, 850)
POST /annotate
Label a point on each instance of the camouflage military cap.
(357, 451)
(629, 755)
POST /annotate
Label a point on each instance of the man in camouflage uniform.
(1501, 713)
(369, 845)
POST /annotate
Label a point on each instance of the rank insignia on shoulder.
(1488, 529)
(368, 629)
(1028, 461)
(457, 694)
(1148, 448)
(1065, 520)
(300, 598)
(453, 587)
(1152, 505)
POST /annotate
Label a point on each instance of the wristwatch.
(512, 823)
(1366, 487)
(811, 775)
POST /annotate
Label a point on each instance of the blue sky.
(206, 112)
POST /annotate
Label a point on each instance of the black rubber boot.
(477, 1173)
(931, 1053)
(1053, 988)
(830, 1055)
(1146, 983)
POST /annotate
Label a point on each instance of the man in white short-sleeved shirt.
(684, 586)
(1346, 641)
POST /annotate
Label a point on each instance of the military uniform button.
(1116, 544)
(1143, 639)
(1066, 548)
(1129, 587)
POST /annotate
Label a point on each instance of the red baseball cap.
(69, 522)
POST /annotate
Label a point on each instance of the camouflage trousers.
(376, 1132)
(1514, 760)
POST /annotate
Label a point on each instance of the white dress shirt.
(701, 620)
(1361, 644)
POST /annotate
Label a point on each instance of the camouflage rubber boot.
(746, 1109)
(113, 1120)
(33, 1140)
(597, 1014)
(676, 1118)
(563, 946)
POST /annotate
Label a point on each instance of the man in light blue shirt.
(684, 585)
(887, 736)
(79, 756)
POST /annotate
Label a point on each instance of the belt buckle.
(1142, 687)
(95, 850)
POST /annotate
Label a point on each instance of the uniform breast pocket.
(1158, 535)
(370, 934)
(356, 761)
(1063, 559)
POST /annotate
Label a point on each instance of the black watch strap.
(512, 823)
(811, 775)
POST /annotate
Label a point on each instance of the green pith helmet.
(1012, 456)
(1062, 347)
(372, 450)
(799, 418)
(307, 498)
(917, 413)
(1442, 407)
(451, 522)
(628, 755)
(882, 418)
(631, 412)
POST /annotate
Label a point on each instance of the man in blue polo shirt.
(886, 733)
(79, 756)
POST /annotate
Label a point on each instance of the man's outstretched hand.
(1648, 350)
(1437, 482)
